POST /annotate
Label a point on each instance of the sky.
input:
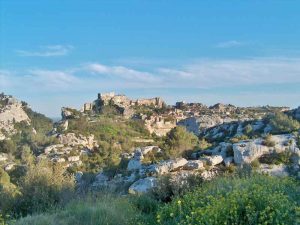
(62, 53)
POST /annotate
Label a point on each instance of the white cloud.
(121, 72)
(229, 44)
(226, 73)
(47, 51)
(212, 76)
(52, 78)
(198, 74)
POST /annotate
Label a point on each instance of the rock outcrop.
(11, 112)
(143, 185)
(247, 151)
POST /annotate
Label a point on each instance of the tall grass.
(105, 210)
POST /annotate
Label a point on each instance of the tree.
(179, 140)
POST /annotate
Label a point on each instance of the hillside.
(143, 149)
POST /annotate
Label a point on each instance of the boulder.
(3, 157)
(212, 160)
(177, 163)
(143, 185)
(134, 165)
(169, 165)
(228, 161)
(193, 165)
(247, 151)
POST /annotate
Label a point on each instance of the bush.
(277, 158)
(281, 123)
(169, 187)
(179, 140)
(44, 186)
(255, 163)
(254, 200)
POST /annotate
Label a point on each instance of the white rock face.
(11, 112)
(72, 140)
(247, 151)
(169, 165)
(193, 165)
(199, 123)
(3, 157)
(213, 160)
(143, 185)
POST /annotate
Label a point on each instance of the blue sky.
(62, 53)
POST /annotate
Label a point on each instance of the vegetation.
(104, 210)
(277, 158)
(42, 187)
(254, 200)
(179, 140)
(114, 135)
(268, 141)
(282, 123)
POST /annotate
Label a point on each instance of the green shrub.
(254, 200)
(277, 158)
(168, 187)
(179, 140)
(281, 123)
(44, 186)
(255, 163)
(248, 129)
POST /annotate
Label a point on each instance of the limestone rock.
(193, 165)
(169, 165)
(3, 157)
(11, 111)
(143, 185)
(68, 113)
(213, 160)
(247, 151)
(134, 165)
(228, 161)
